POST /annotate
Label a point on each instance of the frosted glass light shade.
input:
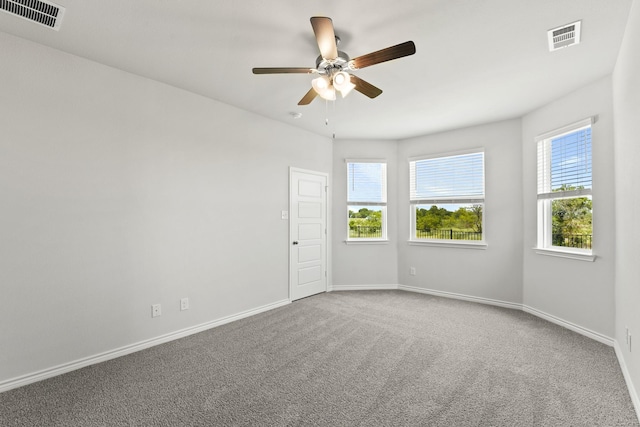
(322, 85)
(342, 82)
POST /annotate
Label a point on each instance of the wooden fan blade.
(284, 70)
(383, 55)
(364, 87)
(325, 36)
(310, 96)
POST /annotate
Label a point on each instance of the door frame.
(328, 282)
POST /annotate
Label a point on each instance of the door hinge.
(325, 188)
(325, 273)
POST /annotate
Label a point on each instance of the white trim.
(471, 200)
(489, 301)
(571, 326)
(367, 242)
(635, 399)
(447, 154)
(365, 161)
(123, 351)
(566, 129)
(366, 204)
(516, 306)
(131, 348)
(452, 295)
(565, 254)
(570, 194)
(450, 244)
(364, 287)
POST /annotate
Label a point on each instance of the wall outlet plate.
(156, 310)
(184, 304)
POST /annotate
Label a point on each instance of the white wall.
(117, 192)
(494, 273)
(575, 291)
(626, 103)
(364, 264)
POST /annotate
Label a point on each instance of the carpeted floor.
(366, 358)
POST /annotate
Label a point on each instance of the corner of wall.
(626, 108)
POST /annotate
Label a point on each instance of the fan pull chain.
(326, 116)
(334, 123)
(326, 112)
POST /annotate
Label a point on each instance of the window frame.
(382, 204)
(415, 202)
(544, 199)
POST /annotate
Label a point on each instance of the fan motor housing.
(332, 66)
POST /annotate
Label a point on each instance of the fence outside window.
(365, 232)
(448, 234)
(582, 241)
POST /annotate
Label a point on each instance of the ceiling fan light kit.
(323, 87)
(333, 66)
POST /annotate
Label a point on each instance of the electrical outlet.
(184, 304)
(412, 271)
(156, 310)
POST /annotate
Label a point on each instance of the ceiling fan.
(334, 66)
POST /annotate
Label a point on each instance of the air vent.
(38, 11)
(564, 36)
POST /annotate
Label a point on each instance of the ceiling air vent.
(564, 36)
(38, 11)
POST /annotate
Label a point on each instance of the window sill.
(449, 244)
(367, 242)
(580, 256)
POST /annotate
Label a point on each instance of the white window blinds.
(451, 179)
(564, 164)
(367, 183)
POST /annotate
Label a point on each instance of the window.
(447, 198)
(564, 190)
(367, 200)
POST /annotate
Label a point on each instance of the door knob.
(295, 243)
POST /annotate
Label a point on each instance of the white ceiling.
(477, 61)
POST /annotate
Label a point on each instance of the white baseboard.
(132, 348)
(364, 287)
(481, 300)
(571, 326)
(516, 306)
(627, 378)
(122, 351)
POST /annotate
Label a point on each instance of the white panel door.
(308, 232)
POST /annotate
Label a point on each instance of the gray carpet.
(375, 358)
